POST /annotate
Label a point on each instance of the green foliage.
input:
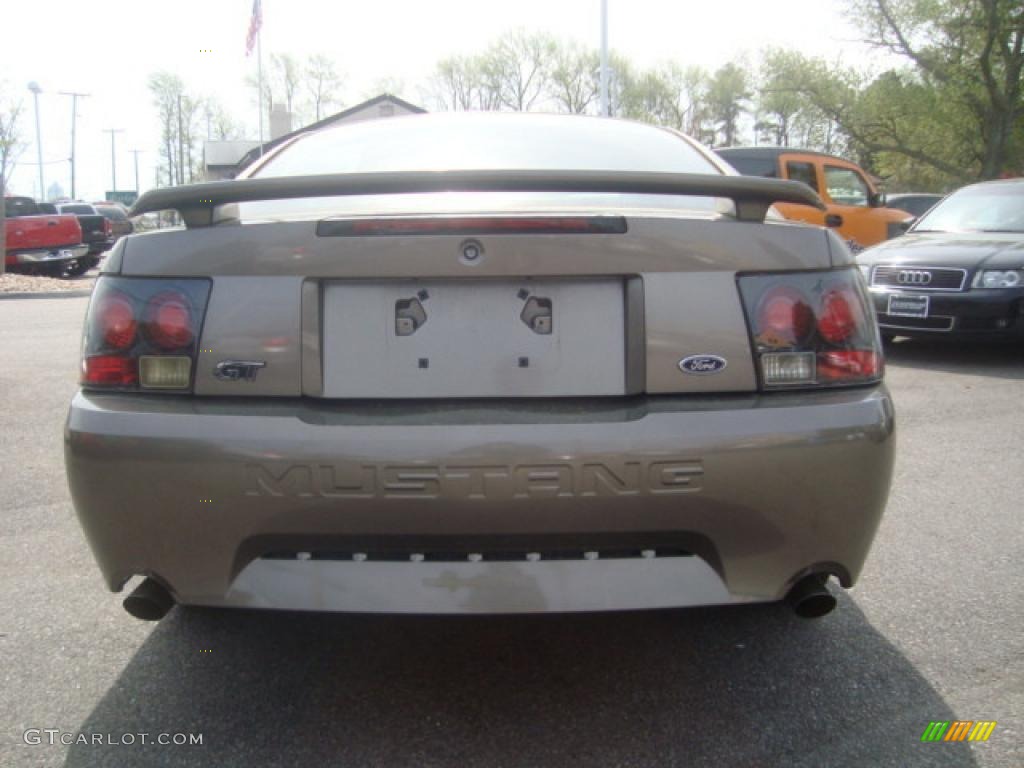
(727, 97)
(966, 59)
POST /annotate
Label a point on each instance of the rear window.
(19, 206)
(114, 214)
(83, 209)
(752, 166)
(488, 142)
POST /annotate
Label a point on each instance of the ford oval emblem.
(702, 365)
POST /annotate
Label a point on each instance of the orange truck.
(854, 206)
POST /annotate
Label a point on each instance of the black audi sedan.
(958, 271)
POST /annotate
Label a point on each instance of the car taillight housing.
(812, 329)
(142, 334)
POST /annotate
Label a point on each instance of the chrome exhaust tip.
(150, 601)
(810, 599)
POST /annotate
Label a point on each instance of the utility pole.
(604, 58)
(136, 153)
(36, 90)
(74, 115)
(181, 146)
(113, 155)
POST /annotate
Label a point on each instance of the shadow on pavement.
(750, 686)
(999, 360)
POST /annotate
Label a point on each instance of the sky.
(109, 49)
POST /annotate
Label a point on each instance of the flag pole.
(259, 73)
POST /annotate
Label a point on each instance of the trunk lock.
(537, 315)
(409, 315)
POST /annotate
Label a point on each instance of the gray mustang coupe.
(480, 363)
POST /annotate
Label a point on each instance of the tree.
(516, 68)
(10, 138)
(220, 126)
(669, 95)
(10, 148)
(621, 83)
(166, 88)
(323, 83)
(967, 53)
(778, 104)
(459, 84)
(571, 83)
(727, 96)
(179, 112)
(287, 77)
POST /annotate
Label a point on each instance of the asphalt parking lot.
(933, 631)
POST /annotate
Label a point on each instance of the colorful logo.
(958, 730)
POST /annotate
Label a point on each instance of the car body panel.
(300, 475)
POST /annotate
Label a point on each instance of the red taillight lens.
(108, 228)
(110, 371)
(169, 320)
(839, 364)
(812, 329)
(117, 320)
(784, 317)
(839, 316)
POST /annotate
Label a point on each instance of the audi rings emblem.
(913, 277)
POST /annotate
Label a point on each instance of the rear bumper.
(272, 503)
(101, 245)
(982, 313)
(47, 255)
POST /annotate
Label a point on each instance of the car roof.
(768, 152)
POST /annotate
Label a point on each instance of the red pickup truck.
(42, 243)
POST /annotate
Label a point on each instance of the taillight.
(116, 320)
(812, 329)
(784, 314)
(110, 371)
(108, 228)
(839, 316)
(169, 320)
(143, 333)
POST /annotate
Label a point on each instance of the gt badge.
(238, 370)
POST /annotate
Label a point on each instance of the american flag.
(254, 26)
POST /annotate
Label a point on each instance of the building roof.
(255, 152)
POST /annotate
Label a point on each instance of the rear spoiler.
(751, 195)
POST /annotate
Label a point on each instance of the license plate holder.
(902, 305)
(520, 337)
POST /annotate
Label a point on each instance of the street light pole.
(136, 153)
(113, 155)
(604, 58)
(74, 115)
(34, 87)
